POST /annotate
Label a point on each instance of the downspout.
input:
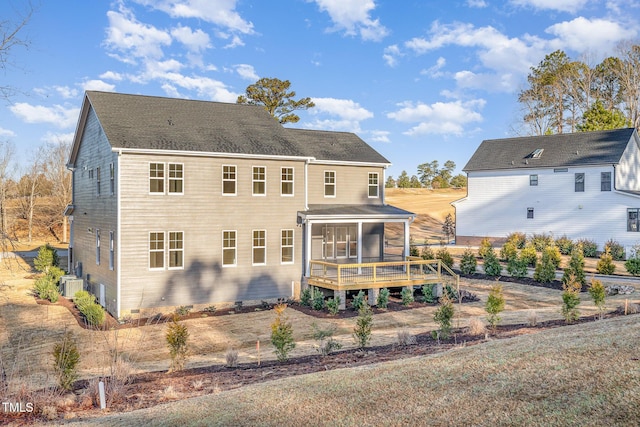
(118, 265)
(306, 184)
(384, 183)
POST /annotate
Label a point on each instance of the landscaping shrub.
(282, 333)
(517, 238)
(231, 358)
(413, 249)
(468, 263)
(333, 305)
(90, 309)
(571, 298)
(45, 288)
(529, 255)
(545, 269)
(598, 294)
(451, 292)
(427, 252)
(476, 327)
(508, 252)
(47, 257)
(65, 361)
(364, 324)
(632, 264)
(305, 297)
(404, 338)
(358, 301)
(485, 246)
(605, 263)
(183, 310)
(444, 256)
(565, 245)
(407, 296)
(517, 267)
(317, 299)
(555, 255)
(443, 317)
(177, 337)
(492, 266)
(575, 270)
(427, 294)
(589, 247)
(383, 299)
(326, 342)
(494, 305)
(541, 240)
(615, 249)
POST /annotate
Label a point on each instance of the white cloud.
(435, 70)
(379, 136)
(247, 72)
(349, 114)
(6, 133)
(598, 35)
(391, 55)
(112, 75)
(438, 118)
(477, 3)
(98, 85)
(194, 41)
(205, 87)
(56, 115)
(571, 6)
(57, 138)
(353, 17)
(134, 39)
(66, 92)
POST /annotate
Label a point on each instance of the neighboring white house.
(582, 185)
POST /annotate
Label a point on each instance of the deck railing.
(413, 270)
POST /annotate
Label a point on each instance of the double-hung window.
(97, 247)
(176, 249)
(286, 247)
(112, 179)
(633, 220)
(373, 184)
(98, 180)
(286, 182)
(533, 180)
(156, 250)
(259, 247)
(229, 248)
(176, 178)
(529, 213)
(579, 186)
(111, 251)
(329, 184)
(156, 178)
(605, 181)
(259, 180)
(229, 179)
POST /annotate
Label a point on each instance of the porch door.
(339, 242)
(329, 243)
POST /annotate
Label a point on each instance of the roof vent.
(535, 154)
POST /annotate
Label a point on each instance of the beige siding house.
(180, 202)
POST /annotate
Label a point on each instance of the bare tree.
(57, 174)
(629, 74)
(10, 39)
(30, 190)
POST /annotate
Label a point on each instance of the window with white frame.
(329, 184)
(605, 181)
(176, 178)
(112, 179)
(97, 247)
(259, 247)
(98, 181)
(176, 249)
(156, 178)
(156, 250)
(579, 186)
(286, 182)
(229, 248)
(373, 184)
(633, 220)
(533, 180)
(286, 247)
(111, 251)
(229, 179)
(529, 213)
(259, 180)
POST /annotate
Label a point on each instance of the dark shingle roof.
(356, 211)
(157, 123)
(563, 150)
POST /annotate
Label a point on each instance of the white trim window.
(229, 248)
(156, 178)
(286, 247)
(329, 183)
(176, 250)
(112, 179)
(111, 251)
(579, 184)
(176, 178)
(156, 250)
(529, 213)
(97, 247)
(259, 248)
(533, 180)
(98, 181)
(374, 188)
(286, 181)
(605, 181)
(229, 180)
(259, 180)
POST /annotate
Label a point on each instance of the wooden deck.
(375, 275)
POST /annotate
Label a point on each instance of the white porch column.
(406, 239)
(359, 242)
(307, 248)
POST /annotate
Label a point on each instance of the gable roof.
(563, 150)
(150, 123)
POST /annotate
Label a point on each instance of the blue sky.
(419, 80)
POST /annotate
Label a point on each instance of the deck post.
(373, 296)
(343, 299)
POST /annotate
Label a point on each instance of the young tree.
(57, 174)
(494, 305)
(282, 333)
(274, 95)
(403, 180)
(449, 227)
(390, 183)
(426, 173)
(598, 118)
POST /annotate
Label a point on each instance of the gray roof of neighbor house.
(551, 151)
(140, 122)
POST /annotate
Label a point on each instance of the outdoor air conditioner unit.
(70, 284)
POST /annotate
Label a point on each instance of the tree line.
(429, 175)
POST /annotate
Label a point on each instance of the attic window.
(535, 154)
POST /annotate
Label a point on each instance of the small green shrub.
(427, 252)
(407, 296)
(305, 297)
(517, 238)
(317, 299)
(508, 252)
(575, 269)
(47, 257)
(444, 316)
(444, 256)
(427, 294)
(282, 333)
(494, 306)
(571, 299)
(517, 267)
(545, 270)
(183, 310)
(326, 342)
(177, 337)
(598, 294)
(529, 255)
(45, 288)
(383, 298)
(364, 325)
(90, 309)
(555, 255)
(413, 249)
(451, 292)
(615, 249)
(485, 246)
(468, 263)
(65, 361)
(333, 305)
(589, 247)
(492, 266)
(564, 244)
(541, 240)
(605, 263)
(632, 264)
(358, 301)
